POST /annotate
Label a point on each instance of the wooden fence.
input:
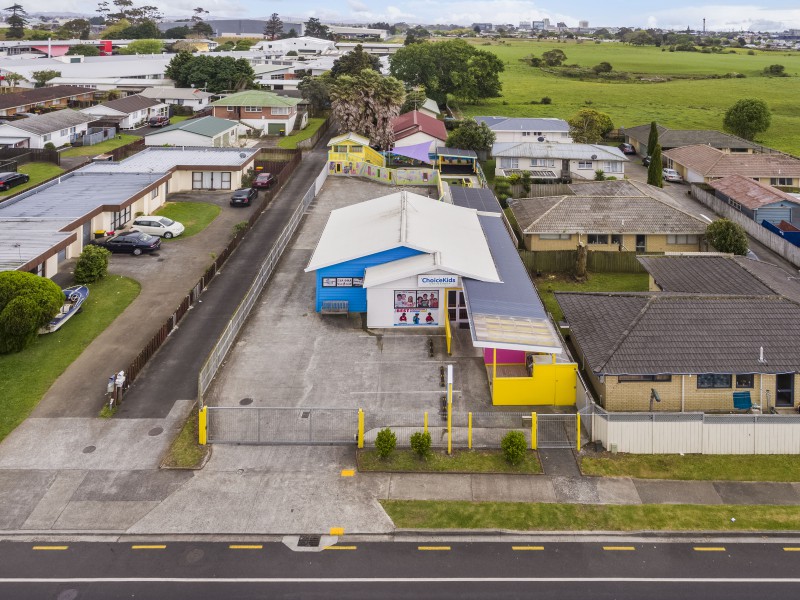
(563, 261)
(26, 155)
(123, 152)
(189, 300)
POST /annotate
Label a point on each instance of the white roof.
(160, 92)
(452, 233)
(555, 150)
(405, 267)
(160, 160)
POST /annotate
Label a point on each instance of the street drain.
(245, 401)
(155, 431)
(89, 449)
(309, 541)
(305, 414)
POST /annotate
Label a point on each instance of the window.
(616, 238)
(526, 133)
(356, 149)
(277, 77)
(252, 109)
(682, 239)
(598, 238)
(584, 164)
(612, 166)
(280, 110)
(713, 381)
(735, 204)
(72, 130)
(118, 219)
(780, 181)
(543, 162)
(154, 193)
(509, 163)
(46, 137)
(632, 378)
(63, 132)
(554, 236)
(745, 381)
(230, 108)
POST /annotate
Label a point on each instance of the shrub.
(92, 264)
(599, 175)
(421, 443)
(751, 53)
(727, 236)
(546, 100)
(49, 146)
(27, 302)
(775, 71)
(240, 227)
(248, 177)
(514, 447)
(385, 442)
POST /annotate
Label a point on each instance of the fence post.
(360, 428)
(449, 409)
(578, 434)
(534, 431)
(202, 426)
(425, 422)
(469, 430)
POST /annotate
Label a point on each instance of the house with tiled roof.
(129, 112)
(261, 111)
(533, 130)
(676, 138)
(415, 127)
(704, 164)
(758, 201)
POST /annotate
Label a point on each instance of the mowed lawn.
(38, 172)
(290, 141)
(680, 103)
(596, 282)
(195, 216)
(27, 375)
(103, 147)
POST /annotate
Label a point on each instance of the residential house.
(676, 138)
(555, 162)
(129, 112)
(264, 112)
(205, 131)
(430, 108)
(34, 100)
(353, 148)
(757, 200)
(277, 76)
(413, 128)
(704, 164)
(508, 130)
(685, 352)
(607, 216)
(196, 99)
(59, 128)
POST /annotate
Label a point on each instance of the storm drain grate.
(305, 414)
(309, 541)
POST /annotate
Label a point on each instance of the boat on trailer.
(74, 297)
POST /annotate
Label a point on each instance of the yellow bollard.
(534, 431)
(578, 435)
(425, 422)
(202, 426)
(469, 431)
(360, 428)
(449, 409)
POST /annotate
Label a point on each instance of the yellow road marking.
(245, 546)
(149, 547)
(791, 549)
(527, 547)
(348, 472)
(340, 547)
(337, 530)
(433, 547)
(50, 547)
(618, 548)
(709, 549)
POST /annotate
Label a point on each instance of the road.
(617, 568)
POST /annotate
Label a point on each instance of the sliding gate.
(557, 431)
(281, 426)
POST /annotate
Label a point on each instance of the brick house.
(265, 112)
(59, 96)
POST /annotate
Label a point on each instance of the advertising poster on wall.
(416, 307)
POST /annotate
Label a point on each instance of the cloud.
(725, 18)
(358, 6)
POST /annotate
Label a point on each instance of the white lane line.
(793, 580)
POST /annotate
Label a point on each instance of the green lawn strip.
(770, 467)
(430, 514)
(185, 452)
(178, 119)
(596, 282)
(27, 375)
(461, 461)
(38, 172)
(120, 140)
(488, 167)
(290, 141)
(195, 216)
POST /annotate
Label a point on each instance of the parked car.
(264, 181)
(159, 121)
(10, 179)
(627, 149)
(130, 242)
(646, 161)
(244, 196)
(671, 175)
(159, 226)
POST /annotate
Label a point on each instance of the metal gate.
(556, 431)
(281, 426)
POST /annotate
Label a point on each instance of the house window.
(509, 163)
(745, 381)
(597, 238)
(229, 108)
(46, 137)
(616, 238)
(554, 236)
(735, 204)
(584, 164)
(543, 162)
(72, 130)
(63, 132)
(713, 381)
(154, 193)
(780, 181)
(612, 166)
(252, 109)
(280, 110)
(118, 219)
(356, 149)
(633, 378)
(682, 239)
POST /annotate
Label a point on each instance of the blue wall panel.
(357, 297)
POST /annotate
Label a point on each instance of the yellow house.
(353, 148)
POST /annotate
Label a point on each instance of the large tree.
(366, 103)
(554, 58)
(655, 174)
(75, 29)
(354, 62)
(16, 22)
(274, 26)
(652, 139)
(747, 118)
(588, 126)
(471, 135)
(27, 302)
(313, 28)
(41, 78)
(316, 91)
(727, 236)
(143, 47)
(213, 73)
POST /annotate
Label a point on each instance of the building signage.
(437, 281)
(416, 307)
(343, 282)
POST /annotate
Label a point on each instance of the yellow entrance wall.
(550, 384)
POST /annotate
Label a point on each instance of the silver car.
(160, 226)
(671, 175)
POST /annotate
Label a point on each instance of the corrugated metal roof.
(19, 245)
(459, 152)
(205, 126)
(256, 98)
(750, 193)
(163, 92)
(158, 160)
(559, 151)
(543, 124)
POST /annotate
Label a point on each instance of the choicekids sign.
(436, 281)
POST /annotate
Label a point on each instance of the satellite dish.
(242, 155)
(540, 138)
(594, 156)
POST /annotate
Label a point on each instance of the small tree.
(588, 126)
(652, 139)
(603, 67)
(775, 71)
(92, 264)
(514, 447)
(727, 236)
(655, 175)
(41, 78)
(143, 47)
(746, 118)
(83, 50)
(354, 62)
(316, 90)
(554, 58)
(599, 175)
(421, 443)
(385, 442)
(27, 302)
(471, 135)
(274, 26)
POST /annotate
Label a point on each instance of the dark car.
(627, 149)
(159, 121)
(9, 180)
(264, 181)
(131, 242)
(244, 196)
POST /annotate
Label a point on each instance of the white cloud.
(725, 18)
(358, 6)
(652, 22)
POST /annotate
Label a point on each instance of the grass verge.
(596, 282)
(461, 461)
(770, 467)
(290, 141)
(428, 514)
(38, 172)
(103, 147)
(27, 375)
(195, 216)
(185, 452)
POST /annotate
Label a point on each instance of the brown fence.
(563, 261)
(163, 332)
(118, 154)
(26, 155)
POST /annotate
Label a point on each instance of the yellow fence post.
(469, 431)
(425, 422)
(360, 428)
(202, 426)
(578, 435)
(534, 431)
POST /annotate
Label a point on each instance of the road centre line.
(433, 548)
(184, 580)
(340, 548)
(709, 548)
(245, 547)
(791, 549)
(149, 547)
(348, 472)
(618, 548)
(50, 547)
(523, 548)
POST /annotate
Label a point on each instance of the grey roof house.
(553, 161)
(60, 127)
(513, 129)
(675, 138)
(128, 112)
(205, 131)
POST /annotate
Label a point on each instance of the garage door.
(276, 129)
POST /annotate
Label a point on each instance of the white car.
(160, 226)
(671, 175)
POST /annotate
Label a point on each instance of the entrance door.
(457, 309)
(87, 232)
(784, 393)
(640, 243)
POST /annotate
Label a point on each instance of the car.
(244, 196)
(264, 181)
(159, 121)
(130, 242)
(671, 175)
(10, 179)
(627, 149)
(646, 161)
(159, 226)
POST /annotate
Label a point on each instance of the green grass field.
(195, 216)
(102, 147)
(596, 282)
(290, 141)
(680, 103)
(26, 376)
(38, 171)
